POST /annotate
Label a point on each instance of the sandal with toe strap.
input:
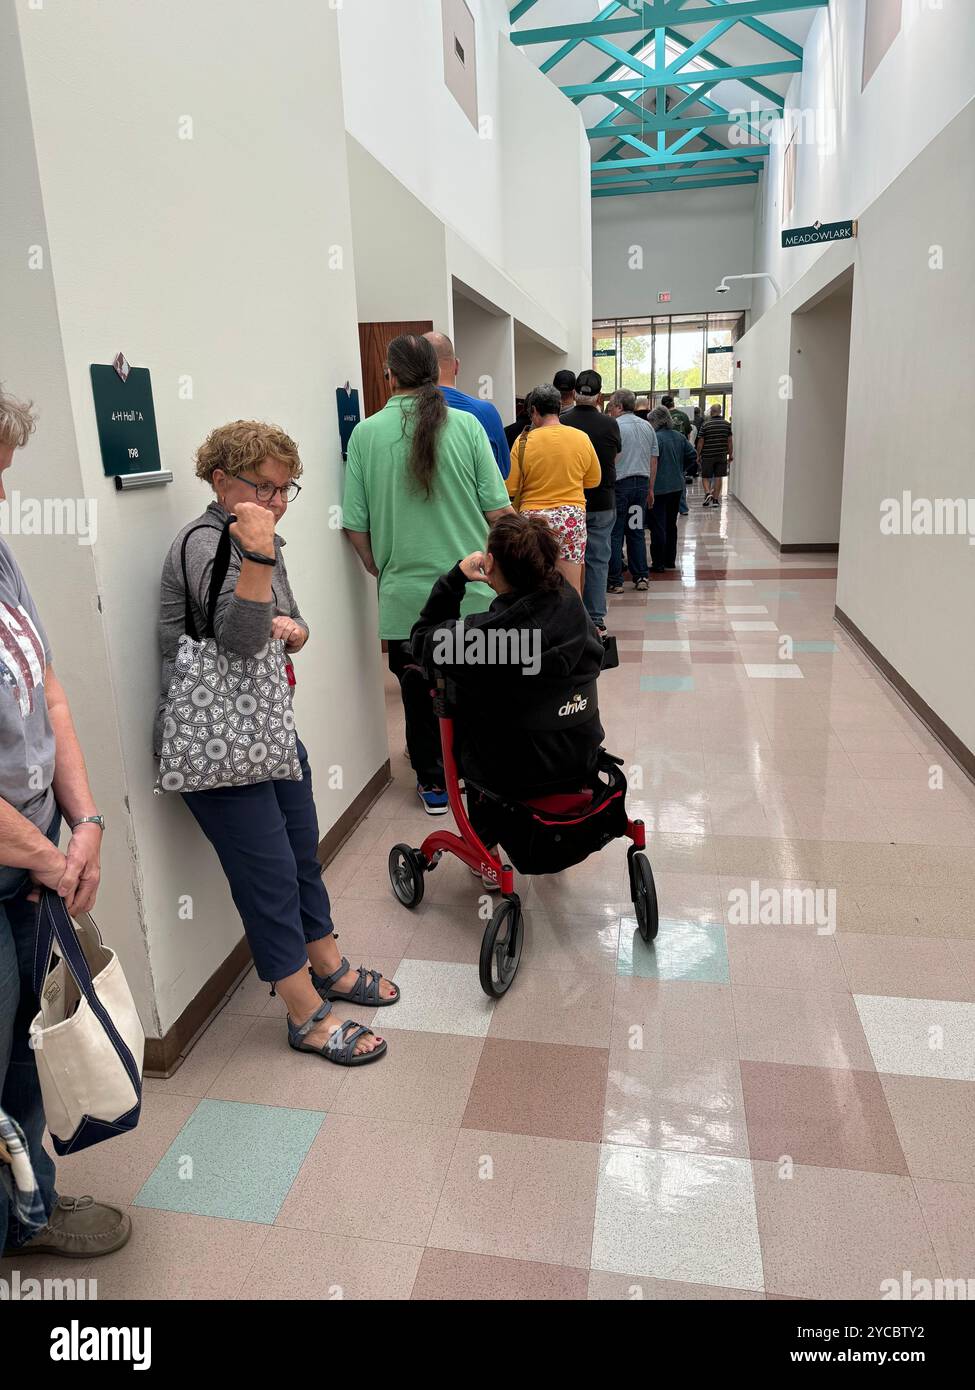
(365, 991)
(340, 1046)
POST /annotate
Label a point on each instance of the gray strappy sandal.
(340, 1047)
(365, 991)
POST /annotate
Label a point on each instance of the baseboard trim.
(790, 548)
(164, 1056)
(952, 744)
(812, 549)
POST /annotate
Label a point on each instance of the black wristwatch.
(259, 559)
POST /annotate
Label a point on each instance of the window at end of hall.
(681, 353)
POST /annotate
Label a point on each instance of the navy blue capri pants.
(266, 838)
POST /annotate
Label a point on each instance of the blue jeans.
(20, 1090)
(266, 838)
(631, 518)
(599, 530)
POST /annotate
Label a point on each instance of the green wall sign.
(819, 232)
(126, 418)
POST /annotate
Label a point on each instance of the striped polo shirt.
(716, 431)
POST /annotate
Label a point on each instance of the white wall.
(400, 247)
(206, 258)
(859, 143)
(407, 261)
(765, 390)
(820, 361)
(536, 362)
(523, 244)
(484, 343)
(687, 242)
(60, 572)
(547, 228)
(398, 107)
(912, 596)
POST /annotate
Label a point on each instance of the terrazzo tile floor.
(777, 1098)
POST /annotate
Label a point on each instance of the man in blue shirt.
(483, 411)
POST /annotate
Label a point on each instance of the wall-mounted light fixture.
(724, 287)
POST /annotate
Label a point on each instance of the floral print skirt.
(569, 524)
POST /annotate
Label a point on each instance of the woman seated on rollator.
(537, 629)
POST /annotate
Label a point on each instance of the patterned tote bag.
(228, 719)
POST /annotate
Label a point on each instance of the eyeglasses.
(267, 491)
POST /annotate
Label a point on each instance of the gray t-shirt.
(26, 736)
(639, 446)
(241, 625)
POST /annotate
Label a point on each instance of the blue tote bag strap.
(55, 928)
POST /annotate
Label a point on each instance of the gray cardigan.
(241, 625)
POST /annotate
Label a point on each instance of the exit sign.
(663, 297)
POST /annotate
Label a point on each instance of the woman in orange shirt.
(551, 467)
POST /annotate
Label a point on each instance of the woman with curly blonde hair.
(265, 834)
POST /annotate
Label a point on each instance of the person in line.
(421, 489)
(485, 411)
(681, 419)
(520, 562)
(265, 834)
(642, 407)
(676, 452)
(43, 782)
(522, 422)
(601, 499)
(715, 453)
(696, 424)
(636, 468)
(565, 383)
(551, 466)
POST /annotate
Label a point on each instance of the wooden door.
(374, 339)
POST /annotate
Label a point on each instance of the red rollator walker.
(544, 835)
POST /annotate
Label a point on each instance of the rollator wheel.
(406, 874)
(501, 948)
(644, 896)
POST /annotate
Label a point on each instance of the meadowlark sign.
(818, 233)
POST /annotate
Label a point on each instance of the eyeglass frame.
(274, 490)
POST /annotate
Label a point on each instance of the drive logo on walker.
(574, 706)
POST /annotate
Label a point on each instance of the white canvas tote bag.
(87, 1038)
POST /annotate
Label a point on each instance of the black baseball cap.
(589, 384)
(565, 381)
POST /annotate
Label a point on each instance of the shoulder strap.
(221, 564)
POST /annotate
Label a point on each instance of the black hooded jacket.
(518, 665)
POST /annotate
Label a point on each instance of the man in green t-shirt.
(421, 489)
(682, 421)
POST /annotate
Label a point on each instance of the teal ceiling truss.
(662, 83)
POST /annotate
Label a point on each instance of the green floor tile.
(232, 1160)
(682, 951)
